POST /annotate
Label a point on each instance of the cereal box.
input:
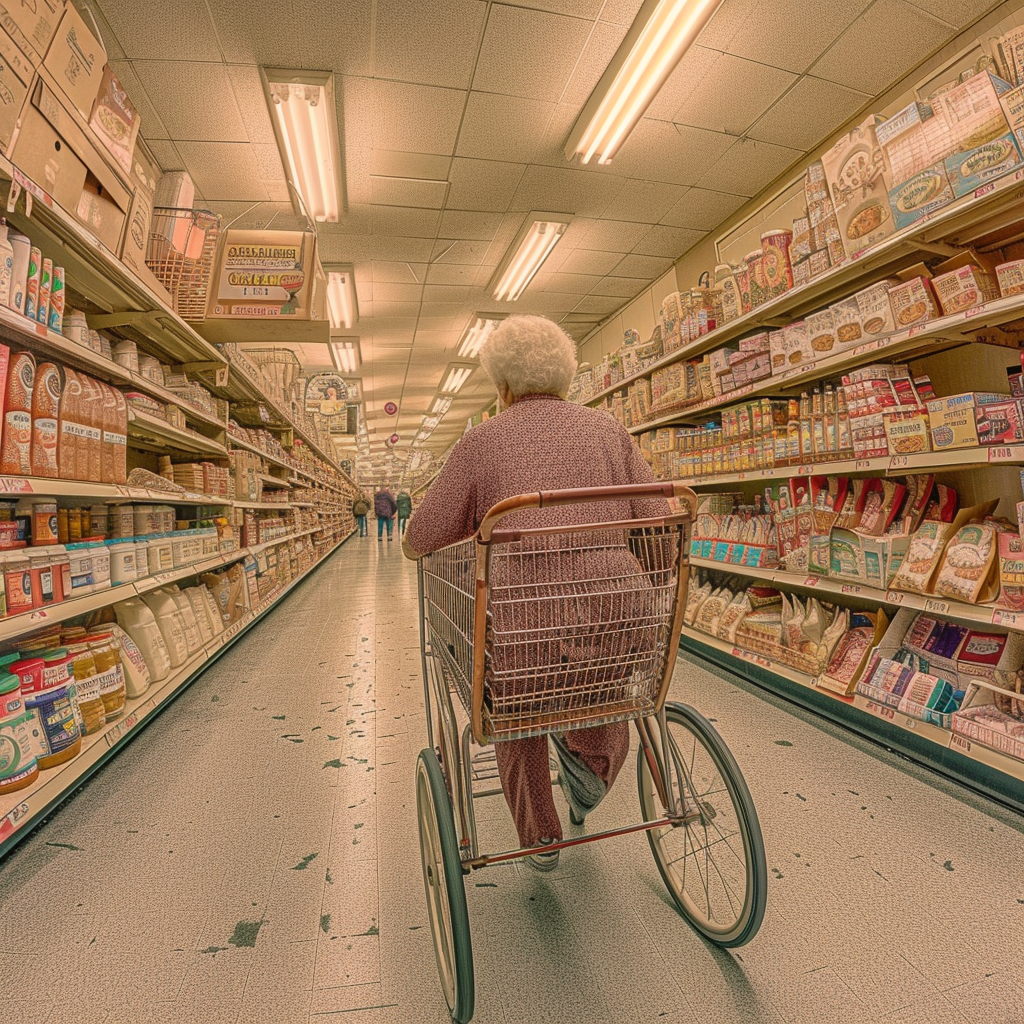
(970, 170)
(925, 192)
(1011, 277)
(913, 302)
(999, 423)
(964, 288)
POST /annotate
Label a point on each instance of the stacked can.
(57, 301)
(45, 288)
(35, 276)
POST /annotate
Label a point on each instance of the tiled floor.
(253, 857)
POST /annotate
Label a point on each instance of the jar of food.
(120, 521)
(18, 584)
(122, 561)
(80, 569)
(100, 563)
(43, 589)
(87, 687)
(107, 654)
(74, 525)
(11, 702)
(55, 716)
(142, 559)
(20, 746)
(8, 535)
(44, 523)
(75, 327)
(98, 521)
(160, 555)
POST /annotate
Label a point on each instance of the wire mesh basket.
(279, 366)
(181, 252)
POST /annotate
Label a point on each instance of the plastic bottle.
(6, 265)
(136, 671)
(139, 622)
(22, 248)
(87, 688)
(168, 619)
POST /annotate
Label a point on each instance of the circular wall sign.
(390, 408)
(393, 439)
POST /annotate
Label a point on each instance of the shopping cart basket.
(547, 629)
(181, 249)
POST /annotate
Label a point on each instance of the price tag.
(933, 605)
(31, 187)
(895, 597)
(910, 723)
(916, 329)
(899, 462)
(1015, 620)
(1004, 454)
(955, 741)
(984, 190)
(851, 588)
(804, 471)
(16, 485)
(811, 581)
(125, 725)
(974, 311)
(39, 616)
(9, 822)
(862, 464)
(881, 710)
(756, 659)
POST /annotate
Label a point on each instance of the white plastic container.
(141, 559)
(122, 562)
(168, 619)
(80, 557)
(126, 354)
(200, 611)
(193, 638)
(6, 265)
(22, 247)
(100, 564)
(216, 619)
(136, 672)
(138, 621)
(160, 554)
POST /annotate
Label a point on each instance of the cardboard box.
(876, 310)
(53, 148)
(12, 55)
(952, 419)
(999, 423)
(907, 431)
(1010, 277)
(964, 285)
(76, 61)
(912, 300)
(115, 121)
(925, 192)
(1012, 103)
(144, 178)
(859, 183)
(31, 25)
(849, 330)
(13, 92)
(970, 170)
(913, 140)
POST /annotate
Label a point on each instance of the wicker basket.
(181, 252)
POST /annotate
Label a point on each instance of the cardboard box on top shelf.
(76, 61)
(144, 177)
(965, 281)
(115, 121)
(31, 25)
(54, 148)
(927, 191)
(859, 183)
(13, 88)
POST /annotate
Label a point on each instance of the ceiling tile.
(748, 167)
(550, 149)
(702, 209)
(620, 12)
(462, 251)
(660, 151)
(268, 160)
(614, 235)
(452, 273)
(223, 170)
(395, 308)
(391, 292)
(589, 261)
(387, 272)
(252, 103)
(962, 13)
(623, 287)
(486, 185)
(166, 155)
(445, 293)
(599, 304)
(152, 128)
(502, 127)
(398, 249)
(528, 53)
(726, 22)
(431, 42)
(597, 54)
(403, 220)
(452, 309)
(403, 192)
(697, 65)
(344, 248)
(666, 241)
(649, 267)
(733, 96)
(880, 46)
(566, 190)
(194, 101)
(568, 283)
(782, 34)
(573, 8)
(416, 118)
(646, 201)
(808, 114)
(337, 37)
(170, 30)
(386, 163)
(459, 224)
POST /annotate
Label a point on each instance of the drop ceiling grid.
(453, 116)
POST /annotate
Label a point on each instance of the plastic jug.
(193, 637)
(199, 610)
(136, 671)
(139, 622)
(172, 628)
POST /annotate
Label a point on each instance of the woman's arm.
(447, 513)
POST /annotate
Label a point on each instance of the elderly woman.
(539, 442)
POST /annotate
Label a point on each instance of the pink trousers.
(526, 778)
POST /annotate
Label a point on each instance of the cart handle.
(580, 495)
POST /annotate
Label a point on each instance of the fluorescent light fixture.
(305, 118)
(342, 303)
(441, 404)
(661, 33)
(477, 331)
(345, 355)
(456, 376)
(530, 248)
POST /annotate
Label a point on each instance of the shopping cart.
(547, 629)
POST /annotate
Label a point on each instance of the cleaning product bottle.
(6, 265)
(21, 247)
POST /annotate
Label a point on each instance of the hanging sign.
(390, 408)
(326, 394)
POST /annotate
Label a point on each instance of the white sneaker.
(544, 861)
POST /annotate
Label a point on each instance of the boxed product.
(907, 431)
(821, 329)
(925, 192)
(999, 422)
(76, 60)
(1012, 103)
(115, 121)
(913, 301)
(965, 281)
(875, 309)
(796, 343)
(973, 168)
(849, 330)
(952, 419)
(913, 140)
(859, 184)
(31, 26)
(1010, 277)
(13, 88)
(1011, 572)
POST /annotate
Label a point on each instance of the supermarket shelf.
(56, 488)
(21, 811)
(973, 614)
(887, 465)
(237, 442)
(241, 503)
(91, 269)
(989, 771)
(957, 329)
(154, 433)
(903, 247)
(273, 481)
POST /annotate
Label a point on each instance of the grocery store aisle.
(252, 857)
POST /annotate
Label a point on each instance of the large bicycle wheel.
(714, 864)
(444, 887)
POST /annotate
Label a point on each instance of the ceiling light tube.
(532, 246)
(441, 404)
(305, 118)
(344, 356)
(659, 36)
(477, 331)
(456, 376)
(342, 303)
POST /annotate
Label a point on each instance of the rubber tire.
(755, 899)
(434, 810)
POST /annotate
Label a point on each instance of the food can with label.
(57, 301)
(45, 288)
(35, 275)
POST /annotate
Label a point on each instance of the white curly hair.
(530, 355)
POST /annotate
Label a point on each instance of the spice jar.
(18, 584)
(87, 687)
(44, 523)
(107, 655)
(43, 590)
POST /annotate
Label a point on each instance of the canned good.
(56, 320)
(44, 523)
(35, 274)
(45, 288)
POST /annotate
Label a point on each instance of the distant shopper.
(540, 442)
(360, 509)
(385, 506)
(404, 501)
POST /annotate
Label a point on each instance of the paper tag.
(31, 188)
(125, 725)
(931, 604)
(738, 652)
(851, 588)
(811, 581)
(960, 742)
(899, 462)
(16, 485)
(1004, 454)
(895, 597)
(1015, 620)
(9, 822)
(862, 464)
(984, 190)
(881, 710)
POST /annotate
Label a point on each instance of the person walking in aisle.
(385, 507)
(360, 509)
(541, 442)
(404, 502)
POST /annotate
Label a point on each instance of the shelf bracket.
(219, 371)
(129, 318)
(938, 248)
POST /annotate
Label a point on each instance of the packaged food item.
(35, 275)
(139, 622)
(136, 672)
(87, 687)
(925, 192)
(168, 619)
(110, 672)
(20, 744)
(15, 459)
(775, 262)
(876, 310)
(44, 523)
(56, 320)
(6, 265)
(22, 248)
(70, 456)
(49, 691)
(45, 288)
(821, 329)
(913, 302)
(999, 422)
(969, 571)
(846, 319)
(1010, 276)
(964, 282)
(46, 394)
